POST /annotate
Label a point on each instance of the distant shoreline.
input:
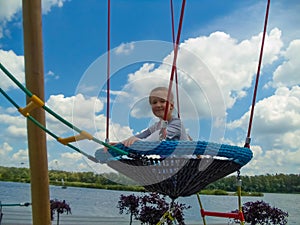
(142, 189)
(251, 185)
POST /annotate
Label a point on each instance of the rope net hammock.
(176, 168)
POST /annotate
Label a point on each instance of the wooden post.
(34, 71)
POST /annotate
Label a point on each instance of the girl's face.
(158, 102)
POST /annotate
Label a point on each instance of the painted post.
(34, 72)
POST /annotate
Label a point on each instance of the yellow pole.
(201, 208)
(239, 192)
(34, 71)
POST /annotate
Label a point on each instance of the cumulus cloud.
(72, 156)
(51, 75)
(11, 10)
(276, 128)
(75, 109)
(17, 131)
(67, 161)
(10, 157)
(15, 65)
(8, 10)
(233, 64)
(5, 149)
(274, 161)
(277, 114)
(48, 4)
(21, 156)
(73, 161)
(124, 48)
(214, 72)
(287, 74)
(85, 113)
(15, 126)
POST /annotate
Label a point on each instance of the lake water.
(96, 206)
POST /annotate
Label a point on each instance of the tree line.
(269, 183)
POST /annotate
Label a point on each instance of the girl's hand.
(130, 141)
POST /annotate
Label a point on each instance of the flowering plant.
(59, 207)
(149, 209)
(262, 213)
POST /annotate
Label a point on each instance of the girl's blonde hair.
(161, 89)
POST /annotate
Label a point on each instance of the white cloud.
(48, 4)
(12, 120)
(15, 126)
(10, 157)
(125, 49)
(276, 122)
(17, 131)
(10, 9)
(52, 75)
(76, 109)
(15, 65)
(76, 162)
(214, 71)
(277, 114)
(21, 156)
(287, 74)
(273, 161)
(5, 149)
(233, 64)
(67, 161)
(276, 127)
(86, 114)
(72, 156)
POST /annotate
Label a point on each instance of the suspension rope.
(37, 102)
(176, 76)
(175, 58)
(108, 73)
(248, 138)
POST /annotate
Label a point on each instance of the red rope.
(176, 76)
(247, 143)
(108, 73)
(175, 58)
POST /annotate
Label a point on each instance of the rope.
(175, 57)
(16, 204)
(83, 134)
(176, 75)
(248, 139)
(45, 129)
(108, 73)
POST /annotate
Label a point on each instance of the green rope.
(37, 123)
(28, 93)
(15, 80)
(9, 99)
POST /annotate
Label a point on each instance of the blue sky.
(217, 64)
